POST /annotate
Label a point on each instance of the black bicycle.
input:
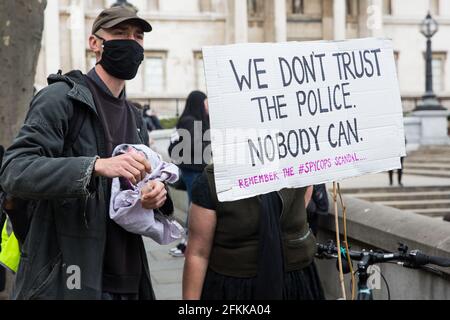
(414, 259)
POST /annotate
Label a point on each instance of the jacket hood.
(78, 87)
(74, 76)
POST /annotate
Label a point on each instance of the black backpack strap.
(79, 113)
(139, 123)
(2, 212)
(75, 124)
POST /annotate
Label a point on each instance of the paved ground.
(166, 271)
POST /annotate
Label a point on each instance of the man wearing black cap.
(61, 164)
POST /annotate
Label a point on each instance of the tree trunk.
(21, 25)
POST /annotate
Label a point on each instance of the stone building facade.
(173, 61)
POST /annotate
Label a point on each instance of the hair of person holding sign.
(255, 248)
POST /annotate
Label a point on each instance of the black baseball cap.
(111, 17)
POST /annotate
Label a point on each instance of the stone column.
(444, 8)
(237, 23)
(375, 18)
(433, 126)
(51, 37)
(339, 18)
(327, 20)
(275, 21)
(370, 18)
(365, 18)
(280, 20)
(77, 35)
(205, 6)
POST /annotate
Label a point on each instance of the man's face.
(122, 31)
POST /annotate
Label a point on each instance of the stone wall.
(377, 227)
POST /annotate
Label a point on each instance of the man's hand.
(153, 195)
(132, 166)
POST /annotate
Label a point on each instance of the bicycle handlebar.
(411, 259)
(423, 259)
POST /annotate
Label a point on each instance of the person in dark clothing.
(251, 249)
(68, 185)
(318, 205)
(399, 174)
(194, 144)
(193, 126)
(151, 120)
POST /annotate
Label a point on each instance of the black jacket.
(68, 213)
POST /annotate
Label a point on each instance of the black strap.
(269, 281)
(139, 123)
(75, 124)
(2, 212)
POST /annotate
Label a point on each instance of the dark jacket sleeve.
(145, 135)
(33, 167)
(168, 207)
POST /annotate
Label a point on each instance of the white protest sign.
(301, 113)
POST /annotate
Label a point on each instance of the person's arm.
(202, 225)
(33, 166)
(308, 195)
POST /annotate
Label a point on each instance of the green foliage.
(169, 123)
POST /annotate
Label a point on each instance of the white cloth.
(126, 207)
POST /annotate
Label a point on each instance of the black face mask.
(121, 58)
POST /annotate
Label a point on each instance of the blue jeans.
(189, 177)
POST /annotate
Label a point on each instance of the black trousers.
(399, 173)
